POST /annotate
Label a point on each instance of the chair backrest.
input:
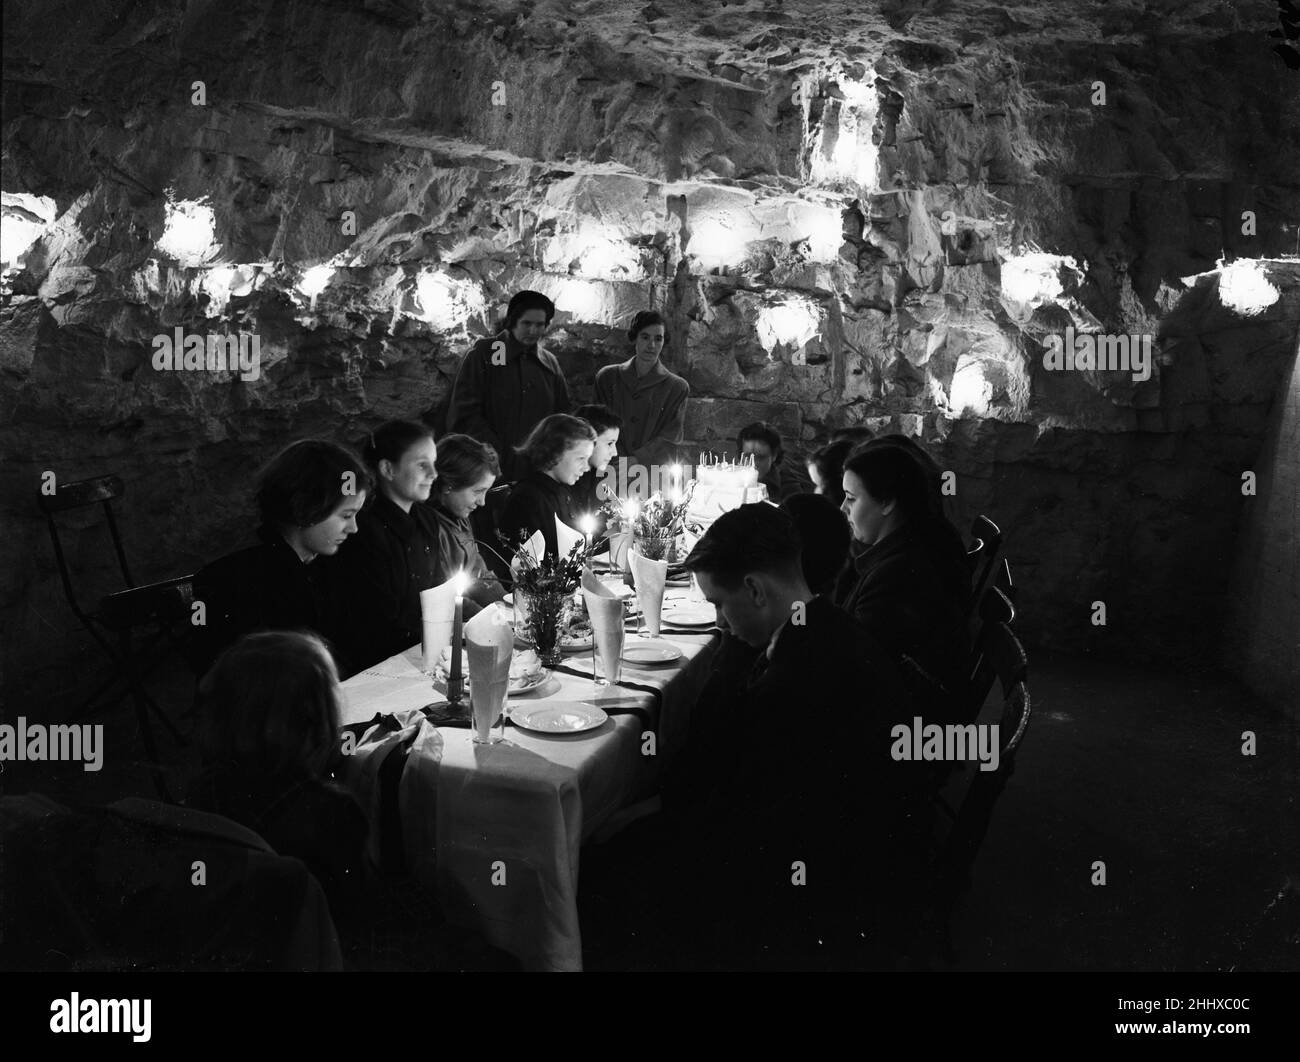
(989, 536)
(990, 645)
(971, 823)
(102, 490)
(1002, 580)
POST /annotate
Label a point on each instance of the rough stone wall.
(821, 196)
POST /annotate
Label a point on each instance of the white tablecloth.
(497, 828)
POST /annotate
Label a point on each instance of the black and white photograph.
(652, 487)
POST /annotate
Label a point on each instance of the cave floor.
(1137, 768)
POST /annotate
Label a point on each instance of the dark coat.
(499, 404)
(378, 574)
(458, 551)
(534, 504)
(799, 773)
(265, 587)
(312, 820)
(912, 594)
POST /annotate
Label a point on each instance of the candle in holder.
(455, 681)
(587, 525)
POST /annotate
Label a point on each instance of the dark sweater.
(262, 588)
(912, 594)
(534, 504)
(378, 574)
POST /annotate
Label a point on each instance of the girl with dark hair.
(309, 496)
(592, 491)
(650, 400)
(394, 554)
(912, 586)
(558, 451)
(267, 729)
(467, 469)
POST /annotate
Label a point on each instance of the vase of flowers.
(656, 524)
(543, 593)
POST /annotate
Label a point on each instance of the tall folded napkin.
(437, 610)
(619, 543)
(536, 545)
(649, 576)
(489, 643)
(606, 612)
(565, 537)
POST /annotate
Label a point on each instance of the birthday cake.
(721, 487)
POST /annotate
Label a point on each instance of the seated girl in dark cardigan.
(467, 469)
(309, 496)
(381, 570)
(558, 452)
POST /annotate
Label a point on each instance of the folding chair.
(983, 554)
(164, 606)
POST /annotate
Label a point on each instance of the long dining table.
(497, 829)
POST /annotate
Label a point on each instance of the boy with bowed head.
(507, 383)
(795, 768)
(308, 496)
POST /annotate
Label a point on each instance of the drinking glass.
(607, 659)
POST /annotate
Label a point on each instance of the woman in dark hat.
(508, 383)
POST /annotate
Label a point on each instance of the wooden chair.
(163, 607)
(983, 554)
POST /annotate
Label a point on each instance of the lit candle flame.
(461, 583)
(587, 525)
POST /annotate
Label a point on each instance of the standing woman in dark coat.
(467, 469)
(558, 451)
(308, 496)
(393, 555)
(912, 589)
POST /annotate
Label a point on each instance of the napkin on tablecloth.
(649, 576)
(619, 543)
(437, 611)
(606, 613)
(489, 644)
(566, 537)
(536, 545)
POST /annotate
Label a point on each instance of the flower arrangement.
(656, 524)
(544, 593)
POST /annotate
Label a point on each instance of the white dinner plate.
(558, 718)
(650, 651)
(690, 614)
